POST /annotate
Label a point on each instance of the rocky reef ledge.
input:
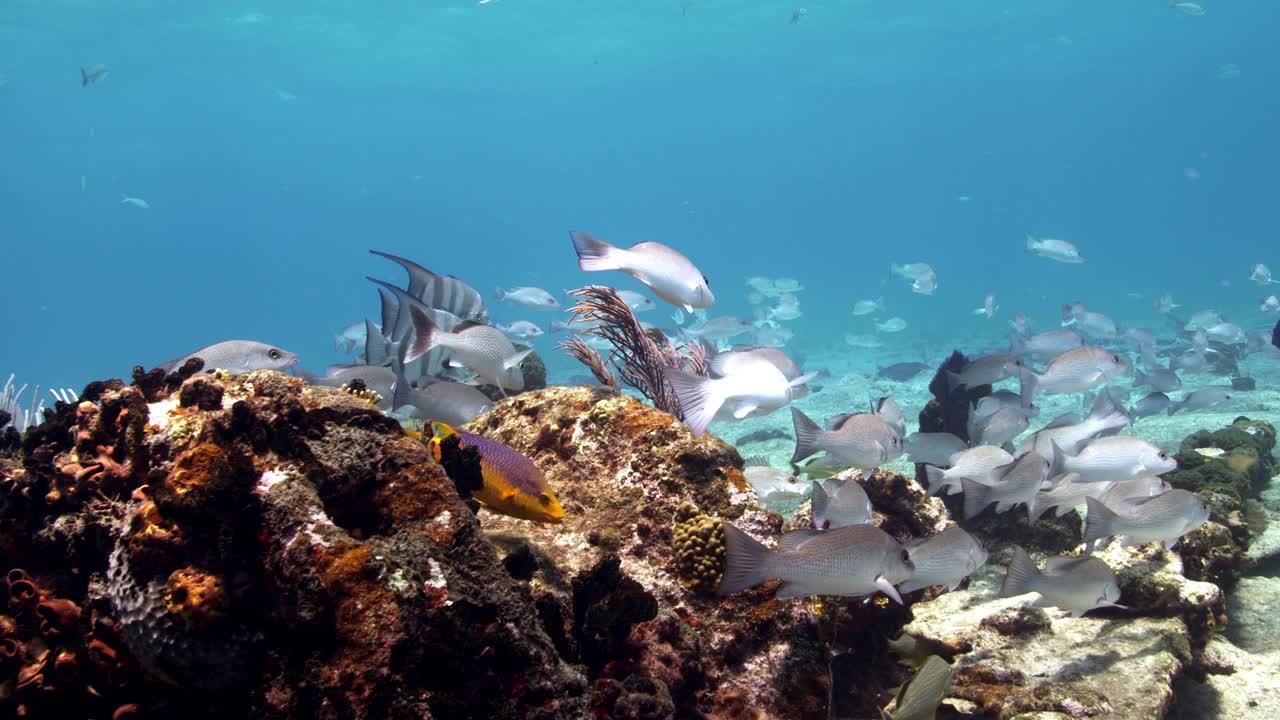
(251, 546)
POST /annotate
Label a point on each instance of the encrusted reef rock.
(254, 547)
(1014, 659)
(637, 486)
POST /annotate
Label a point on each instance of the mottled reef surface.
(251, 546)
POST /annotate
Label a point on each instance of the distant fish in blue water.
(529, 298)
(135, 202)
(866, 307)
(985, 370)
(1201, 399)
(721, 328)
(892, 325)
(1165, 304)
(771, 484)
(901, 372)
(91, 75)
(669, 274)
(1048, 344)
(1269, 305)
(1157, 378)
(636, 301)
(1090, 323)
(237, 356)
(989, 307)
(521, 330)
(1054, 249)
(352, 337)
(797, 15)
(1261, 274)
(868, 342)
(1188, 8)
(1151, 404)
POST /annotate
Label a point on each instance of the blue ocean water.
(277, 143)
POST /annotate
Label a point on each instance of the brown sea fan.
(639, 356)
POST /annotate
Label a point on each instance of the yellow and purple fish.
(513, 485)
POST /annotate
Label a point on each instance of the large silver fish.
(1163, 518)
(237, 356)
(1076, 585)
(669, 274)
(1070, 435)
(447, 402)
(943, 559)
(864, 441)
(1076, 370)
(483, 348)
(1113, 458)
(933, 448)
(850, 562)
(751, 382)
(978, 464)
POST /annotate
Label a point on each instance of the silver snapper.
(933, 448)
(1076, 585)
(1114, 458)
(237, 356)
(1048, 344)
(1076, 370)
(1068, 495)
(1201, 399)
(985, 371)
(978, 464)
(999, 427)
(943, 559)
(1069, 435)
(1163, 518)
(483, 348)
(1151, 404)
(849, 562)
(1018, 485)
(521, 330)
(1158, 378)
(751, 382)
(669, 274)
(443, 401)
(771, 484)
(864, 441)
(1054, 249)
(840, 503)
(530, 298)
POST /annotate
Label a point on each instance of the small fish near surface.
(669, 274)
(530, 298)
(1162, 518)
(91, 75)
(849, 562)
(1054, 249)
(136, 202)
(943, 559)
(513, 485)
(919, 699)
(1076, 585)
(236, 357)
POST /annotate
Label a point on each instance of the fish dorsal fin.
(440, 431)
(836, 421)
(796, 539)
(756, 461)
(467, 325)
(1062, 420)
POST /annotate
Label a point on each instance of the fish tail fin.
(400, 395)
(933, 475)
(976, 497)
(698, 398)
(1097, 523)
(820, 501)
(745, 561)
(1037, 507)
(84, 77)
(1017, 344)
(375, 345)
(808, 436)
(1022, 575)
(423, 337)
(1174, 407)
(1139, 377)
(1028, 384)
(593, 253)
(1031, 242)
(953, 381)
(499, 294)
(1058, 463)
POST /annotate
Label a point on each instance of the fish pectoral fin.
(744, 410)
(886, 587)
(687, 308)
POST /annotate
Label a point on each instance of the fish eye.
(705, 281)
(1163, 456)
(906, 558)
(544, 499)
(274, 354)
(1115, 358)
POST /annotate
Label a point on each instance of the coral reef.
(253, 546)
